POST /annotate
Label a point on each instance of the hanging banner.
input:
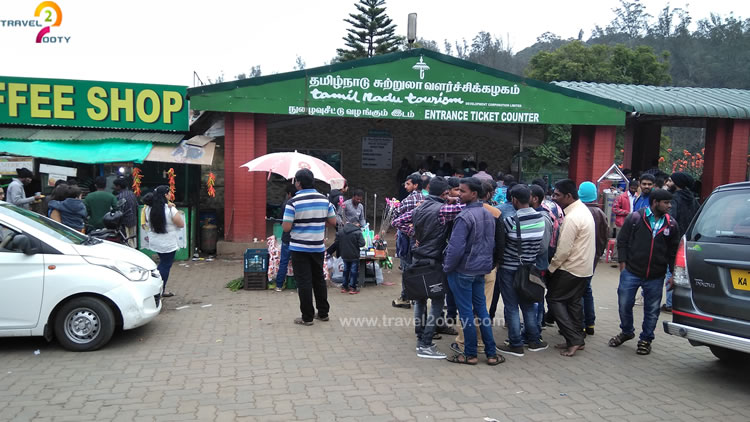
(8, 165)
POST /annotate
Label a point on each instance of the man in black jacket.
(684, 207)
(646, 246)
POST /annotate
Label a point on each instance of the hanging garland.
(171, 175)
(210, 185)
(137, 176)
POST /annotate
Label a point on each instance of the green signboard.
(413, 85)
(60, 102)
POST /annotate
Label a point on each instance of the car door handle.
(728, 263)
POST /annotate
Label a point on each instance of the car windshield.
(725, 215)
(43, 224)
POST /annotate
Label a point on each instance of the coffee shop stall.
(77, 130)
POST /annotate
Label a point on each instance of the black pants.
(564, 293)
(308, 273)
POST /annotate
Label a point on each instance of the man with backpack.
(646, 246)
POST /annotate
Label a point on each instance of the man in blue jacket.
(468, 257)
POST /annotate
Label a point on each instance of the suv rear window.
(725, 216)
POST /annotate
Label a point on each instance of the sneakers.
(430, 353)
(589, 330)
(401, 303)
(417, 348)
(319, 318)
(446, 329)
(301, 321)
(508, 350)
(667, 309)
(354, 290)
(344, 290)
(538, 346)
(278, 289)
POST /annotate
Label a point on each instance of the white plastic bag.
(337, 270)
(378, 274)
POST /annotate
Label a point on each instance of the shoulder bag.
(527, 281)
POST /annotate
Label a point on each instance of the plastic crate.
(256, 260)
(254, 281)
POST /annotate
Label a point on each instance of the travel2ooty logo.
(48, 15)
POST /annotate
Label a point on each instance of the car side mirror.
(22, 243)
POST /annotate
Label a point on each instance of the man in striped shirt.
(305, 218)
(532, 226)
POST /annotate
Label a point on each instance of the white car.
(57, 282)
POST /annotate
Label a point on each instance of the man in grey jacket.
(468, 257)
(16, 192)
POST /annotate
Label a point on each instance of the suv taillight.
(681, 277)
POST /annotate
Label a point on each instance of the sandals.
(495, 360)
(463, 359)
(620, 338)
(643, 347)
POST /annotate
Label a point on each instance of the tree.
(299, 63)
(372, 32)
(254, 72)
(631, 18)
(601, 63)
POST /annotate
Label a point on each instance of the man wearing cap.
(588, 194)
(16, 192)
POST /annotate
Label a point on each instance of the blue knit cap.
(587, 192)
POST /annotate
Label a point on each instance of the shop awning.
(90, 152)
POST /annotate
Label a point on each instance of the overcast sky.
(165, 41)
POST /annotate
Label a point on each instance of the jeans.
(405, 262)
(351, 272)
(629, 284)
(512, 303)
(283, 265)
(589, 313)
(424, 322)
(666, 285)
(468, 291)
(308, 273)
(450, 304)
(165, 264)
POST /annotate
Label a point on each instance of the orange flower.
(661, 159)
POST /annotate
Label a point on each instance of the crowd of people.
(485, 233)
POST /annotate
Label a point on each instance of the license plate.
(741, 279)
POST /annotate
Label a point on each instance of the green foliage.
(372, 32)
(600, 63)
(235, 284)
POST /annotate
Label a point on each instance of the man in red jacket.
(624, 204)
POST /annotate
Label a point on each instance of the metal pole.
(520, 154)
(375, 213)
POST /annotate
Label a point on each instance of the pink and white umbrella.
(287, 164)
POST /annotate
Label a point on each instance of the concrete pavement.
(237, 356)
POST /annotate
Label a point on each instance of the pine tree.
(372, 32)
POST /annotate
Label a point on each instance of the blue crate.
(256, 260)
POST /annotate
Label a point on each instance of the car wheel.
(84, 324)
(728, 355)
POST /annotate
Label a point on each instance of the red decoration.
(210, 185)
(137, 176)
(171, 175)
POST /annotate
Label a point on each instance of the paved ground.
(237, 356)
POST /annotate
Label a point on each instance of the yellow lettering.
(2, 88)
(99, 109)
(117, 104)
(173, 102)
(39, 100)
(140, 104)
(14, 99)
(61, 101)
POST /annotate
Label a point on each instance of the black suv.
(711, 302)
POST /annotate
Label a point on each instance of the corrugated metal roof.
(32, 134)
(672, 101)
